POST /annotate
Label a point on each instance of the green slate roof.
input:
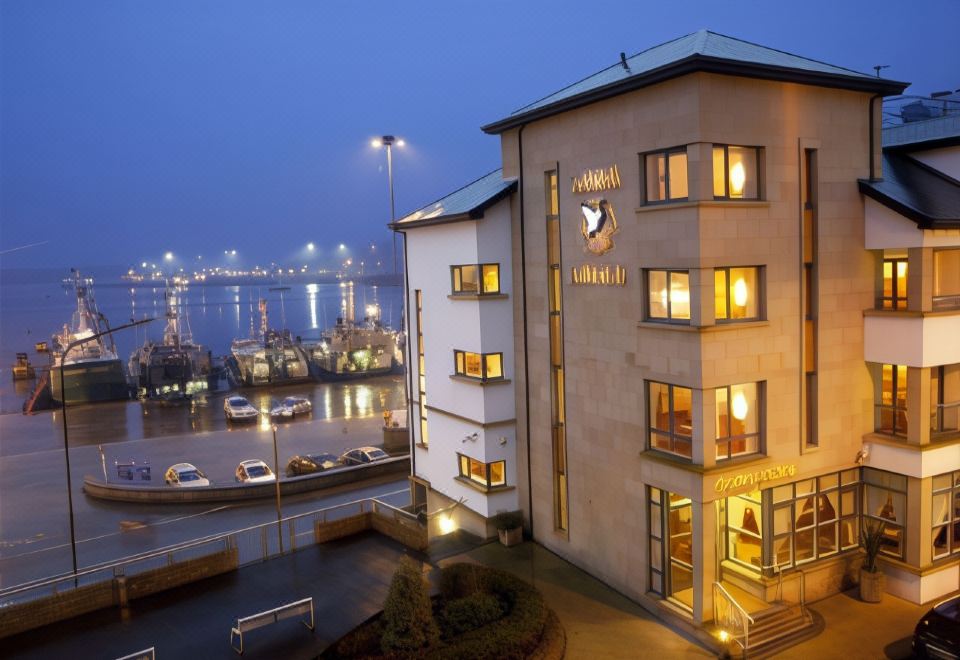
(699, 51)
(467, 203)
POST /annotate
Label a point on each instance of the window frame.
(454, 268)
(669, 318)
(892, 528)
(673, 437)
(758, 152)
(759, 292)
(897, 430)
(950, 527)
(645, 193)
(759, 404)
(944, 301)
(896, 302)
(463, 459)
(458, 353)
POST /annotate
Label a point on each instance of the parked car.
(291, 406)
(237, 407)
(937, 635)
(254, 471)
(185, 475)
(310, 463)
(363, 455)
(280, 411)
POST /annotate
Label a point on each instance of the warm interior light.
(737, 178)
(376, 144)
(447, 524)
(740, 293)
(681, 296)
(724, 636)
(901, 269)
(740, 407)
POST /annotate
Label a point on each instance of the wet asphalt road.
(34, 524)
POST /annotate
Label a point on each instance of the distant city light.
(343, 247)
(168, 256)
(143, 264)
(311, 247)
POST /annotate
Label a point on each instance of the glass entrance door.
(671, 546)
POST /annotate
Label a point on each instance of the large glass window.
(558, 433)
(946, 514)
(421, 371)
(736, 294)
(946, 279)
(487, 475)
(668, 295)
(475, 279)
(894, 295)
(671, 546)
(885, 501)
(892, 404)
(670, 418)
(744, 527)
(815, 518)
(666, 175)
(483, 366)
(736, 172)
(738, 415)
(945, 398)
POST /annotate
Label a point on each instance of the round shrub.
(469, 613)
(408, 623)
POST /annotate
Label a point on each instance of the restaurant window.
(894, 294)
(487, 475)
(945, 398)
(666, 175)
(815, 518)
(668, 295)
(671, 546)
(885, 501)
(891, 404)
(736, 294)
(946, 279)
(482, 366)
(475, 279)
(670, 415)
(744, 529)
(738, 415)
(946, 514)
(736, 172)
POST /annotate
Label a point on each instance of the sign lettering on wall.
(615, 275)
(597, 180)
(724, 484)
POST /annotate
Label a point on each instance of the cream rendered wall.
(457, 409)
(609, 355)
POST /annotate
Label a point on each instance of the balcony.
(914, 339)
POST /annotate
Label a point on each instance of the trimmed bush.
(408, 623)
(466, 614)
(460, 580)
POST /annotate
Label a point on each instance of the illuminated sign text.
(754, 478)
(615, 275)
(597, 180)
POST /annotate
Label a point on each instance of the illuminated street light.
(168, 256)
(388, 141)
(343, 247)
(311, 247)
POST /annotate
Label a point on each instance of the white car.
(185, 475)
(236, 407)
(254, 472)
(290, 407)
(363, 456)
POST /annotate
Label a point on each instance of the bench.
(254, 621)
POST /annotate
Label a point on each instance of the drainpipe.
(872, 127)
(409, 365)
(526, 352)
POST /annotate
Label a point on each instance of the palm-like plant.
(871, 538)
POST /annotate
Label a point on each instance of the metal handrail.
(203, 540)
(745, 619)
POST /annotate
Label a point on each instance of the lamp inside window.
(736, 173)
(736, 294)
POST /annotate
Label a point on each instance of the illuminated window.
(885, 501)
(736, 173)
(668, 295)
(558, 433)
(666, 175)
(736, 294)
(421, 370)
(946, 514)
(488, 475)
(483, 366)
(744, 529)
(946, 279)
(894, 294)
(892, 404)
(945, 398)
(476, 279)
(670, 418)
(738, 415)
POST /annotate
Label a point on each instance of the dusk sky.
(130, 128)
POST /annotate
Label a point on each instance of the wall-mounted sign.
(597, 180)
(754, 478)
(615, 275)
(598, 224)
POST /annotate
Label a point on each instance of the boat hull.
(87, 382)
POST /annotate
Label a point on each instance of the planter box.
(872, 586)
(510, 537)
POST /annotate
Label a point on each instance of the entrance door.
(671, 546)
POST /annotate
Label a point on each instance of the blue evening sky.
(132, 127)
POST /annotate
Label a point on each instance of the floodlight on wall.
(503, 441)
(473, 436)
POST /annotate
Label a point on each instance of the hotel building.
(700, 328)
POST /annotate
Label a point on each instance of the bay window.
(475, 279)
(736, 172)
(668, 295)
(738, 414)
(946, 514)
(666, 175)
(482, 366)
(737, 294)
(885, 501)
(946, 279)
(670, 418)
(488, 475)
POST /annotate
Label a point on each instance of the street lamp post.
(276, 474)
(63, 415)
(388, 141)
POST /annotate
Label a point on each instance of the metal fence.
(253, 544)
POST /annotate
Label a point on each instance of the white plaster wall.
(947, 160)
(905, 459)
(888, 229)
(914, 341)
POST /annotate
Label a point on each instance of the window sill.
(705, 203)
(478, 296)
(490, 490)
(906, 313)
(719, 327)
(479, 381)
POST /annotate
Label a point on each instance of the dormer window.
(736, 172)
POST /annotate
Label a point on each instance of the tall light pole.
(276, 474)
(388, 141)
(63, 414)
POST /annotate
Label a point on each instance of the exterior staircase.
(761, 629)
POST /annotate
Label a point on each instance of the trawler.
(91, 369)
(175, 368)
(356, 350)
(270, 358)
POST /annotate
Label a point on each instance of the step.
(777, 627)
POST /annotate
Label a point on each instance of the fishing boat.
(91, 369)
(356, 350)
(271, 357)
(23, 370)
(173, 369)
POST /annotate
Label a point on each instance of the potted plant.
(509, 526)
(871, 578)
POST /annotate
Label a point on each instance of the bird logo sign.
(598, 225)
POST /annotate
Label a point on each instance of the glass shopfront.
(671, 546)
